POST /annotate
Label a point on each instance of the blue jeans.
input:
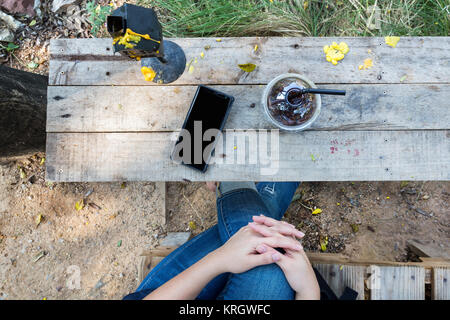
(236, 204)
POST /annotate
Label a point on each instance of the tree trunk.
(23, 105)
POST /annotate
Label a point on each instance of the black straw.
(324, 91)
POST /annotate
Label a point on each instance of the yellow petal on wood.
(368, 63)
(202, 55)
(391, 41)
(149, 73)
(255, 48)
(191, 68)
(317, 211)
(219, 40)
(247, 67)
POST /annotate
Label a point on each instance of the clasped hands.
(255, 244)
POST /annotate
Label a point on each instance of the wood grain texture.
(164, 108)
(441, 284)
(421, 59)
(398, 283)
(338, 277)
(343, 156)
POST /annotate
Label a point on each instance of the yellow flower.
(391, 41)
(368, 63)
(335, 52)
(317, 211)
(149, 73)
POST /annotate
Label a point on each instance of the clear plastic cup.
(282, 106)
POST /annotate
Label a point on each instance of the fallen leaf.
(305, 5)
(32, 23)
(392, 41)
(219, 40)
(323, 244)
(255, 48)
(42, 161)
(355, 227)
(403, 184)
(312, 157)
(207, 47)
(119, 243)
(22, 173)
(39, 219)
(192, 225)
(403, 78)
(247, 67)
(39, 256)
(32, 65)
(317, 211)
(191, 68)
(79, 205)
(123, 185)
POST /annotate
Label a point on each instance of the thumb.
(267, 257)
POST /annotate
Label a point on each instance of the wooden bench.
(105, 123)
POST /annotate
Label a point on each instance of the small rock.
(99, 284)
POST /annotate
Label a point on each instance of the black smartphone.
(204, 122)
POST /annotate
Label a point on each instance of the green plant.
(10, 47)
(206, 18)
(97, 15)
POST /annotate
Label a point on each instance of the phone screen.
(209, 110)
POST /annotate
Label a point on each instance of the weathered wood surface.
(338, 277)
(441, 284)
(421, 59)
(429, 249)
(163, 108)
(338, 156)
(105, 123)
(398, 283)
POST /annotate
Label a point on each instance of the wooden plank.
(397, 283)
(441, 286)
(338, 277)
(421, 59)
(357, 155)
(164, 108)
(428, 249)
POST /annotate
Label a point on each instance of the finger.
(270, 222)
(265, 258)
(261, 229)
(265, 220)
(272, 231)
(282, 242)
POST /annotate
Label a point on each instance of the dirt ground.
(45, 242)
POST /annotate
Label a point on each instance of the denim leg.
(277, 196)
(235, 209)
(181, 259)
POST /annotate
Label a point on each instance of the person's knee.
(261, 283)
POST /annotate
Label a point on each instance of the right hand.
(295, 264)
